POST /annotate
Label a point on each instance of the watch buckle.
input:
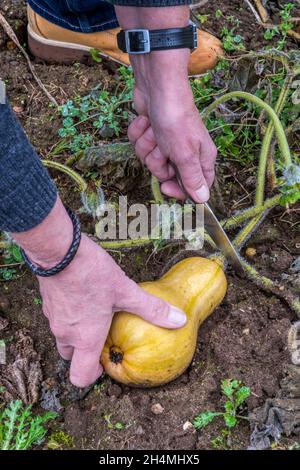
(145, 41)
(195, 34)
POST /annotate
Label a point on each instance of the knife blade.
(217, 233)
(215, 229)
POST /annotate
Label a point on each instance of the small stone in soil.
(139, 431)
(157, 409)
(188, 426)
(250, 252)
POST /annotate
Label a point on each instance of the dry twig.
(262, 11)
(293, 34)
(11, 34)
(256, 15)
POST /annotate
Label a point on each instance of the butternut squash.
(138, 353)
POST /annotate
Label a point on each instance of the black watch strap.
(143, 41)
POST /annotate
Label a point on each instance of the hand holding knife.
(215, 229)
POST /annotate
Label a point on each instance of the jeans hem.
(66, 24)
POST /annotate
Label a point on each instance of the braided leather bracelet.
(67, 259)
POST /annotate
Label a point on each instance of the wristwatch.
(143, 41)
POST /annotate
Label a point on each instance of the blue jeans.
(86, 16)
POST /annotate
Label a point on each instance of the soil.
(251, 31)
(245, 338)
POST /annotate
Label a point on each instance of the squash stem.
(246, 214)
(73, 174)
(282, 141)
(157, 194)
(270, 286)
(261, 177)
(118, 244)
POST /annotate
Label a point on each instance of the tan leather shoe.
(53, 43)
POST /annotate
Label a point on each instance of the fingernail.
(176, 316)
(203, 193)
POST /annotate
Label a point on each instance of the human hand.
(173, 130)
(80, 301)
(169, 127)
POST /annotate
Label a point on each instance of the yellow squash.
(138, 353)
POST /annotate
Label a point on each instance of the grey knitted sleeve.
(27, 193)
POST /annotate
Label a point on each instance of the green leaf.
(62, 132)
(229, 407)
(230, 420)
(68, 122)
(95, 55)
(119, 426)
(270, 33)
(7, 274)
(203, 419)
(289, 198)
(241, 395)
(8, 420)
(238, 39)
(19, 429)
(15, 252)
(228, 386)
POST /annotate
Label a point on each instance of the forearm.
(168, 70)
(48, 242)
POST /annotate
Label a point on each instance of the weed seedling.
(20, 429)
(99, 387)
(231, 41)
(236, 395)
(37, 301)
(282, 29)
(60, 440)
(13, 255)
(202, 18)
(100, 113)
(110, 425)
(12, 258)
(8, 274)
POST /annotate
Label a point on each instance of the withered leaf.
(21, 378)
